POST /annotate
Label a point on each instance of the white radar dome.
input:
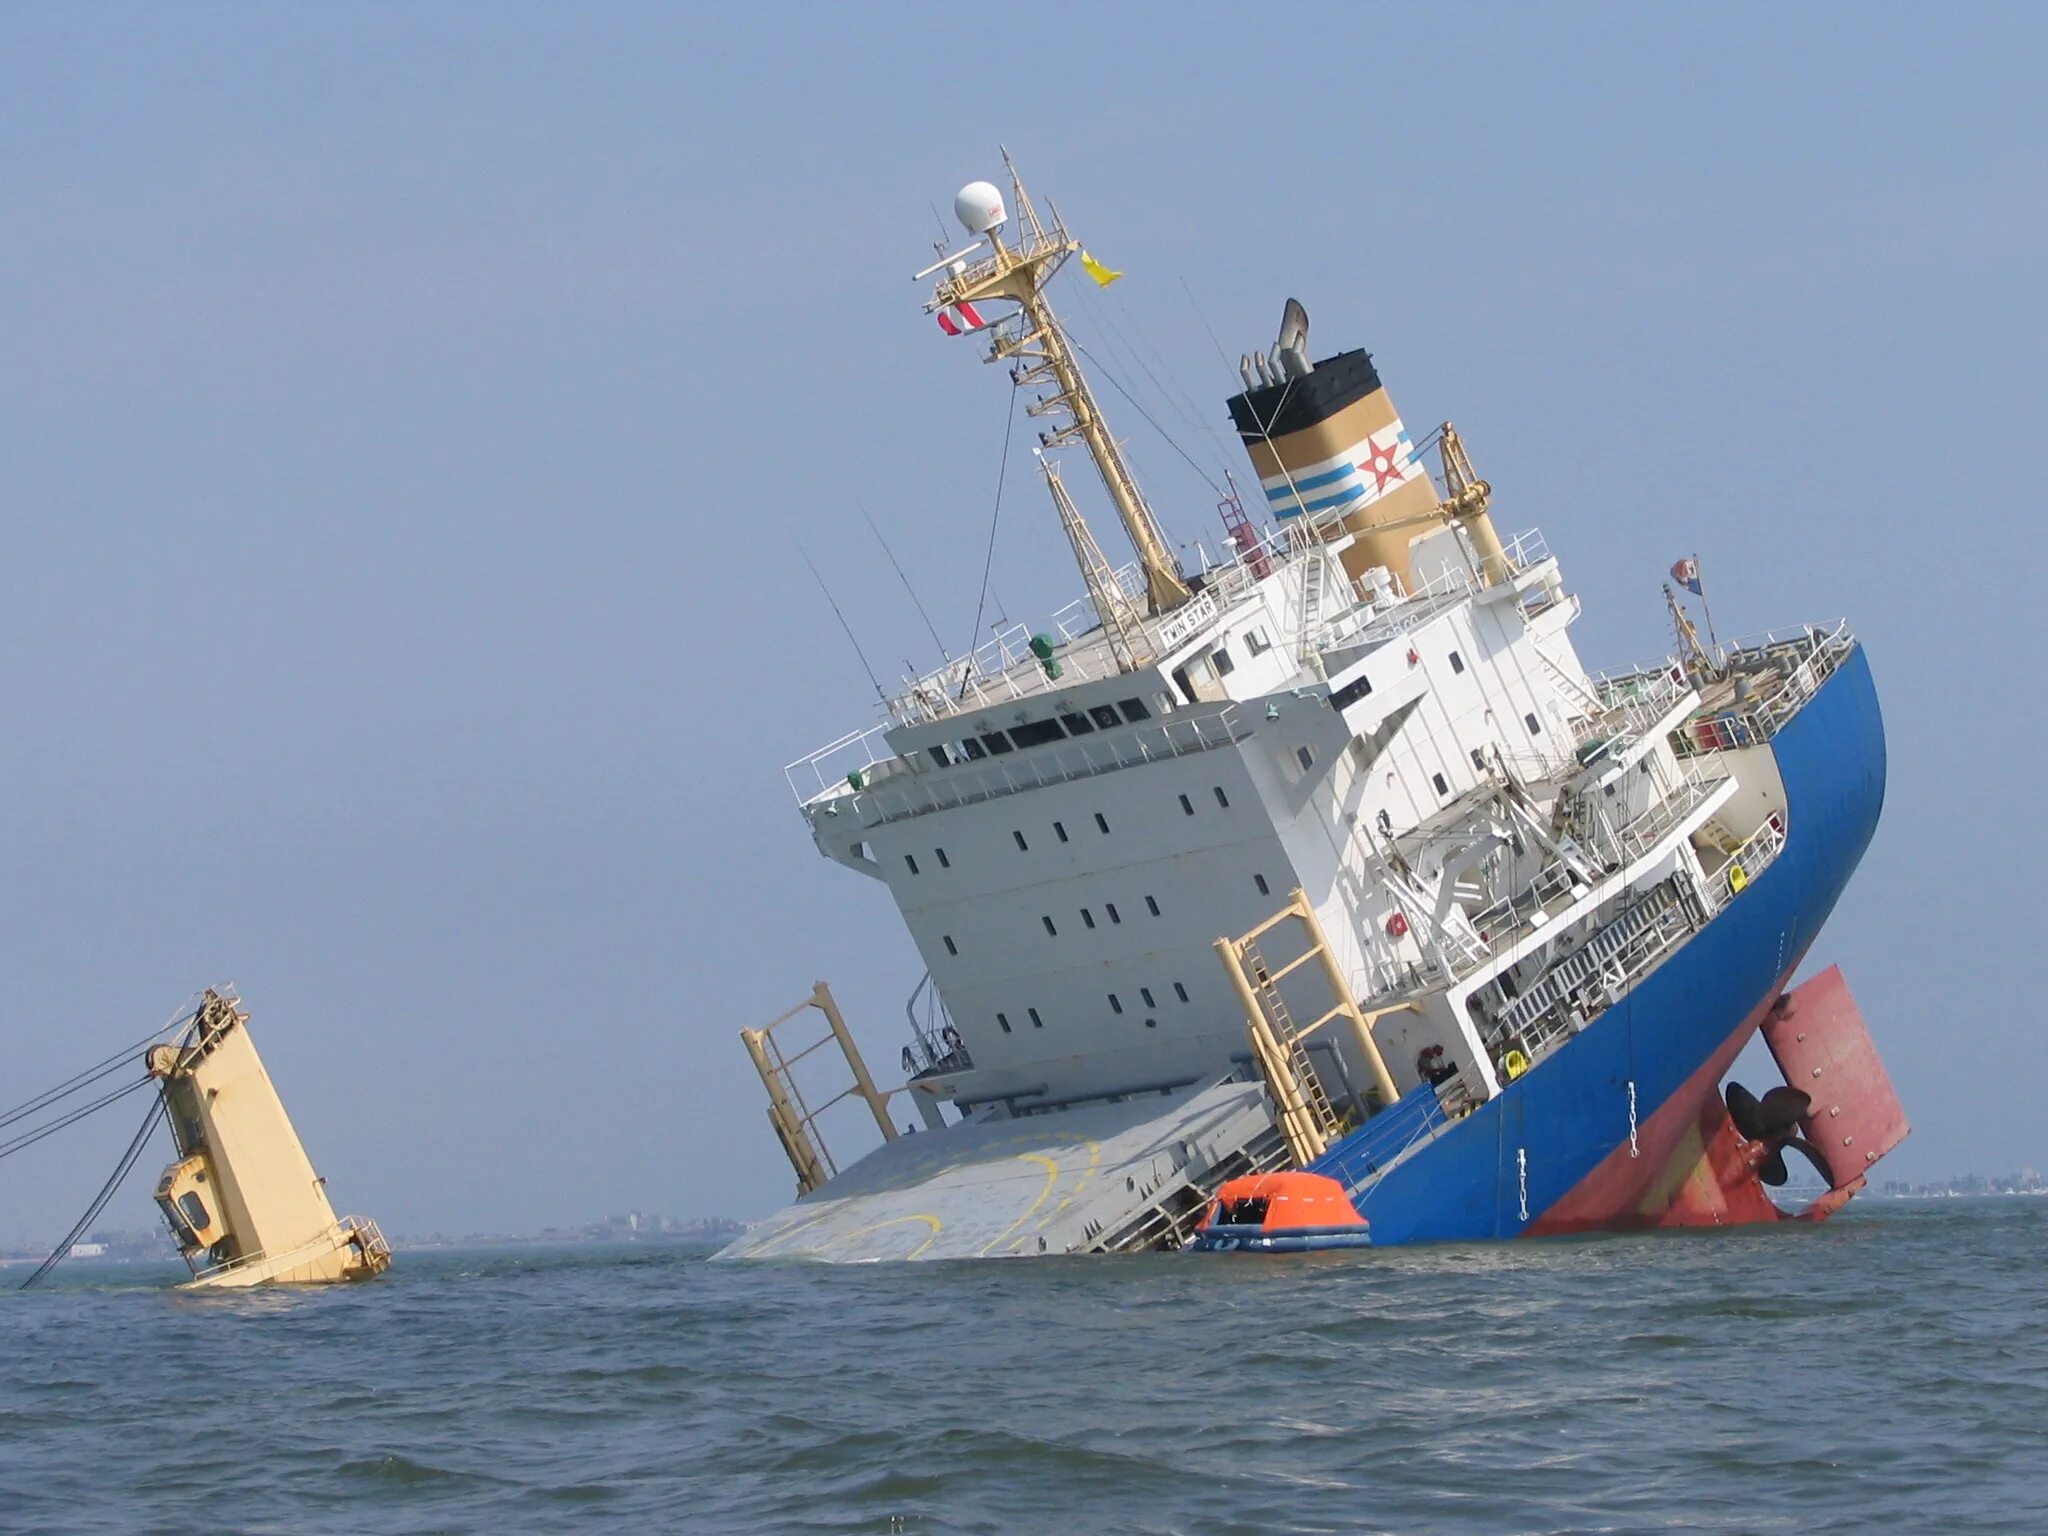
(979, 206)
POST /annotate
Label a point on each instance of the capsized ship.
(1329, 856)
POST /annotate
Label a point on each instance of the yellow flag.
(1095, 269)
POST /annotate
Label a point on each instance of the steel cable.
(122, 1169)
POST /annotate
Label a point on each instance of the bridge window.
(1115, 1003)
(951, 947)
(1104, 715)
(972, 750)
(1022, 846)
(941, 756)
(1036, 733)
(997, 743)
(1134, 710)
(1077, 725)
(1221, 798)
(1051, 932)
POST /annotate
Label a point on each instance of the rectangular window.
(1305, 757)
(1110, 908)
(1146, 993)
(1087, 918)
(972, 750)
(1104, 715)
(1221, 798)
(1059, 830)
(1187, 806)
(1479, 759)
(1036, 1021)
(1134, 710)
(1180, 991)
(1256, 642)
(1441, 787)
(911, 860)
(1224, 665)
(944, 862)
(1022, 846)
(1051, 932)
(1004, 1020)
(951, 947)
(941, 756)
(997, 743)
(1036, 733)
(1351, 692)
(1115, 1004)
(1077, 725)
(1530, 721)
(1457, 662)
(1101, 825)
(1260, 882)
(1152, 905)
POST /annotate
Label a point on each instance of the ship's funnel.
(1328, 444)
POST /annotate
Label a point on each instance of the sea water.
(1885, 1372)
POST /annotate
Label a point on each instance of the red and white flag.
(959, 319)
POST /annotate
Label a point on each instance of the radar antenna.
(1042, 359)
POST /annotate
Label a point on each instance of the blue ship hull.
(1551, 1152)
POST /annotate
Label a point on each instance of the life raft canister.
(1514, 1064)
(1738, 877)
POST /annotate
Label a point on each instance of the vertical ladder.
(1301, 1105)
(795, 1122)
(1314, 574)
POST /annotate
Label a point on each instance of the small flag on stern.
(1687, 574)
(1095, 269)
(959, 319)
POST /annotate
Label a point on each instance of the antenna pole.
(1123, 625)
(1044, 359)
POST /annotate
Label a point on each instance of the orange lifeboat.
(1281, 1213)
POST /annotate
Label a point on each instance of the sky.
(413, 416)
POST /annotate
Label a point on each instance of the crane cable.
(93, 1073)
(30, 1137)
(158, 1110)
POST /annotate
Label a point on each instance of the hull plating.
(1552, 1153)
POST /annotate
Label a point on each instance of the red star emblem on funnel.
(1381, 463)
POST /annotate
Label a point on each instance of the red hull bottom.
(1690, 1167)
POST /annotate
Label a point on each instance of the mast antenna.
(833, 602)
(1042, 358)
(898, 569)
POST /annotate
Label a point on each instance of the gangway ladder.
(1315, 570)
(1301, 1104)
(795, 1122)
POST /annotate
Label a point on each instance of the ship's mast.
(1121, 622)
(1043, 359)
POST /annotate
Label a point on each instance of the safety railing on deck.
(1075, 758)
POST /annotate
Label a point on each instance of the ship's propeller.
(1774, 1120)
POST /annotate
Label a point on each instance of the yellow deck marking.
(1052, 1177)
(894, 1221)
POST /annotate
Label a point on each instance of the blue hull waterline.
(1497, 1171)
